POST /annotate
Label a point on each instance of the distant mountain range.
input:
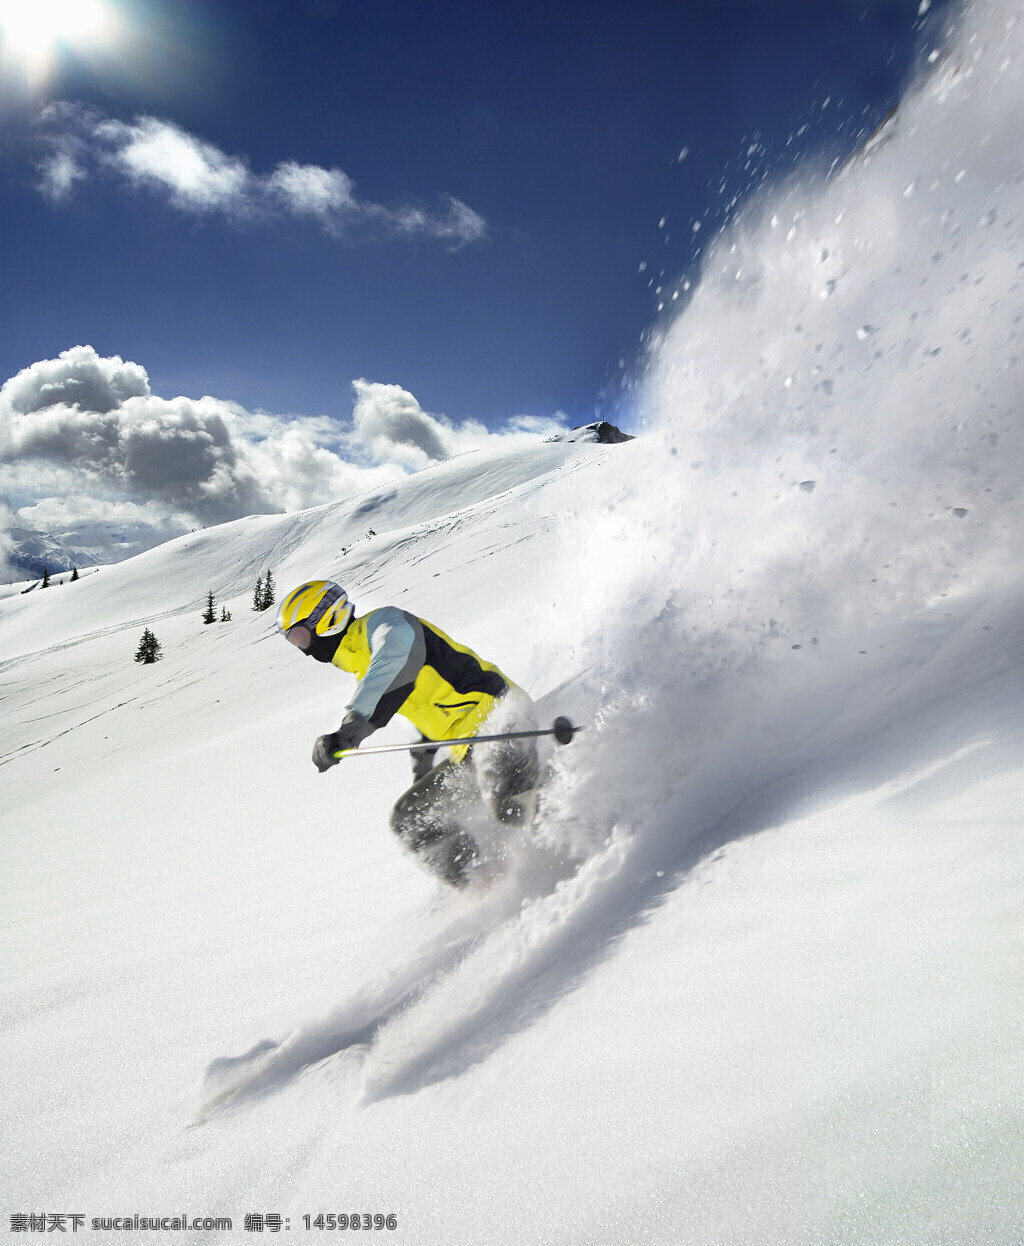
(30, 553)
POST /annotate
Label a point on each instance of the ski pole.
(562, 729)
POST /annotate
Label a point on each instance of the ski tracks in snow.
(348, 1029)
(487, 964)
(501, 984)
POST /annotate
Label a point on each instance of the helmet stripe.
(333, 594)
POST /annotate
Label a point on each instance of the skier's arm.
(398, 650)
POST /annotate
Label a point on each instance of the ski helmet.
(319, 608)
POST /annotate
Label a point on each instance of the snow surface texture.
(759, 977)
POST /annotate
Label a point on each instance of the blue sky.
(560, 125)
(265, 201)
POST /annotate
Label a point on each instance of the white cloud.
(458, 224)
(81, 514)
(78, 378)
(462, 224)
(390, 426)
(85, 443)
(58, 175)
(307, 189)
(196, 176)
(60, 158)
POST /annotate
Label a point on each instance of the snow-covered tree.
(209, 615)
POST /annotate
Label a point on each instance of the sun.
(33, 33)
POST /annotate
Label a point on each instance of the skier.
(408, 666)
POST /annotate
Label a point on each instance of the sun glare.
(33, 33)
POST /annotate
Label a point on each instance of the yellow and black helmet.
(319, 608)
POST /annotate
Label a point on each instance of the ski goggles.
(299, 635)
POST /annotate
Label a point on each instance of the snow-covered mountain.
(756, 977)
(599, 431)
(30, 553)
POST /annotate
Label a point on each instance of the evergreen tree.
(209, 616)
(46, 579)
(149, 648)
(74, 574)
(225, 615)
(264, 595)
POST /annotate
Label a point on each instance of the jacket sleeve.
(398, 650)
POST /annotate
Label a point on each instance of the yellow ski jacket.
(407, 666)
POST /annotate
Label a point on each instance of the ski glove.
(352, 732)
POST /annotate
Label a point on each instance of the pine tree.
(74, 574)
(149, 648)
(46, 579)
(209, 615)
(264, 595)
(225, 615)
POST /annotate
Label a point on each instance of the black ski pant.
(428, 818)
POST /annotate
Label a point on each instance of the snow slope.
(779, 1004)
(775, 995)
